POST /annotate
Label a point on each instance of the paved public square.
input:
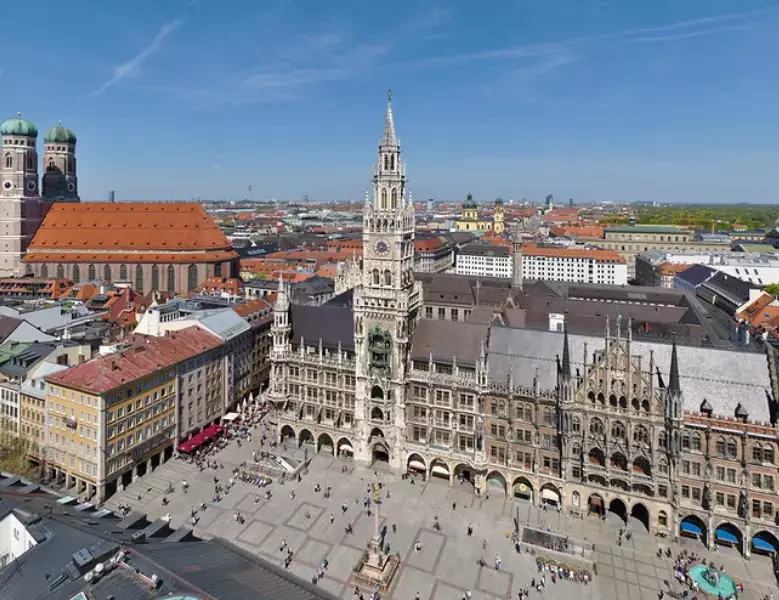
(447, 565)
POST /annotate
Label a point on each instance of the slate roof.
(447, 340)
(696, 274)
(7, 326)
(185, 566)
(723, 377)
(330, 323)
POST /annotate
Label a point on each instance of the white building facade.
(574, 265)
(484, 260)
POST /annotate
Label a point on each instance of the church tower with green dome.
(21, 211)
(60, 182)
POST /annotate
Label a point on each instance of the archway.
(641, 513)
(618, 461)
(551, 495)
(595, 505)
(618, 507)
(728, 534)
(377, 414)
(496, 482)
(287, 433)
(439, 469)
(381, 453)
(325, 443)
(596, 457)
(463, 473)
(377, 392)
(305, 437)
(345, 449)
(641, 466)
(416, 465)
(523, 489)
(765, 542)
(376, 433)
(692, 526)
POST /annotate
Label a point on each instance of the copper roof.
(144, 356)
(97, 227)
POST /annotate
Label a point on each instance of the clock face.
(381, 247)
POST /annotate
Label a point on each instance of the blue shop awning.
(689, 527)
(761, 544)
(723, 535)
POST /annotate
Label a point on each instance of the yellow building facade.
(471, 221)
(113, 419)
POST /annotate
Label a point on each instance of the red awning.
(212, 431)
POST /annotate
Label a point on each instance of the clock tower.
(386, 304)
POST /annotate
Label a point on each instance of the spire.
(367, 196)
(281, 282)
(673, 381)
(566, 353)
(389, 139)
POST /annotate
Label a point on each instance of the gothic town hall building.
(681, 438)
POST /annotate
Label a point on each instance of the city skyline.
(598, 100)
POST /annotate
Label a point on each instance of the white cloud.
(130, 68)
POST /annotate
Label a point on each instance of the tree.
(14, 451)
(772, 288)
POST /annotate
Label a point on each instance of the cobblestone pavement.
(447, 564)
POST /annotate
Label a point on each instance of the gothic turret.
(60, 183)
(516, 253)
(282, 346)
(565, 380)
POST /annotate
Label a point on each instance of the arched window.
(392, 162)
(44, 271)
(576, 425)
(596, 427)
(107, 273)
(394, 197)
(645, 406)
(591, 396)
(51, 167)
(123, 273)
(191, 278)
(640, 435)
(662, 518)
(613, 401)
(386, 162)
(171, 279)
(661, 439)
(576, 450)
(384, 199)
(635, 404)
(768, 455)
(618, 431)
(720, 445)
(732, 448)
(695, 442)
(138, 278)
(576, 499)
(91, 273)
(76, 274)
(685, 441)
(30, 163)
(218, 270)
(9, 161)
(663, 466)
(155, 278)
(376, 277)
(387, 278)
(60, 272)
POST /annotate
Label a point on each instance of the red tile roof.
(104, 231)
(592, 253)
(145, 356)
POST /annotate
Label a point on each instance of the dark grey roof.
(330, 323)
(481, 249)
(732, 286)
(7, 326)
(696, 274)
(226, 572)
(447, 340)
(723, 377)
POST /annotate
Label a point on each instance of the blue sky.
(669, 100)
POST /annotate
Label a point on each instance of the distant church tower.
(386, 304)
(60, 183)
(20, 206)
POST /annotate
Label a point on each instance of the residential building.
(433, 254)
(259, 314)
(630, 240)
(28, 288)
(574, 265)
(594, 407)
(17, 360)
(484, 260)
(150, 246)
(32, 410)
(690, 278)
(114, 418)
(757, 269)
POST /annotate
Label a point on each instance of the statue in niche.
(380, 349)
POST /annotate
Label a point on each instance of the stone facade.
(619, 427)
